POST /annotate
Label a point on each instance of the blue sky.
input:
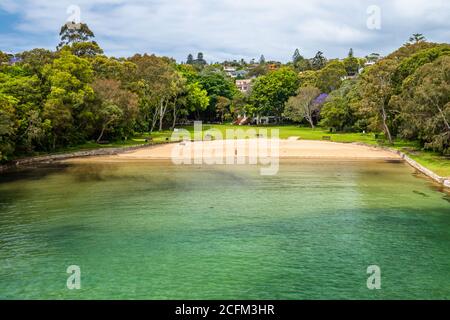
(228, 29)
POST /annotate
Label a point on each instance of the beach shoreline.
(289, 149)
(285, 149)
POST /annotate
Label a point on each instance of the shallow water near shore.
(153, 230)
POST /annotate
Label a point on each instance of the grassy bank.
(435, 162)
(284, 133)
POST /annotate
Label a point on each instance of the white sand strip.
(287, 149)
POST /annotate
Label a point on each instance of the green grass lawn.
(433, 161)
(285, 132)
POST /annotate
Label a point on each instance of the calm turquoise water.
(158, 231)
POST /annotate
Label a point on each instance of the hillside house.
(244, 86)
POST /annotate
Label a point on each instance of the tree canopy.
(303, 106)
(55, 99)
(270, 92)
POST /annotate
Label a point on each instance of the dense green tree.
(222, 107)
(425, 105)
(262, 59)
(7, 126)
(79, 38)
(350, 53)
(34, 60)
(154, 79)
(417, 37)
(68, 77)
(197, 99)
(86, 49)
(302, 106)
(381, 83)
(200, 62)
(319, 61)
(190, 59)
(188, 72)
(308, 78)
(23, 86)
(74, 33)
(330, 77)
(373, 57)
(270, 92)
(115, 109)
(108, 115)
(409, 65)
(176, 90)
(28, 92)
(377, 90)
(4, 58)
(296, 57)
(339, 111)
(351, 64)
(303, 65)
(111, 68)
(259, 70)
(217, 85)
(239, 105)
(300, 63)
(408, 50)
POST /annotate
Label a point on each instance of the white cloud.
(235, 29)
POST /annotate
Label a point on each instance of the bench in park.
(103, 142)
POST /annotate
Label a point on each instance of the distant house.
(266, 120)
(373, 57)
(244, 86)
(353, 76)
(234, 73)
(273, 66)
(367, 64)
(230, 71)
(241, 74)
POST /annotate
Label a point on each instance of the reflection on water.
(158, 231)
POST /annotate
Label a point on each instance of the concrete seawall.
(57, 157)
(444, 181)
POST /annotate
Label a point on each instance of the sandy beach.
(286, 149)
